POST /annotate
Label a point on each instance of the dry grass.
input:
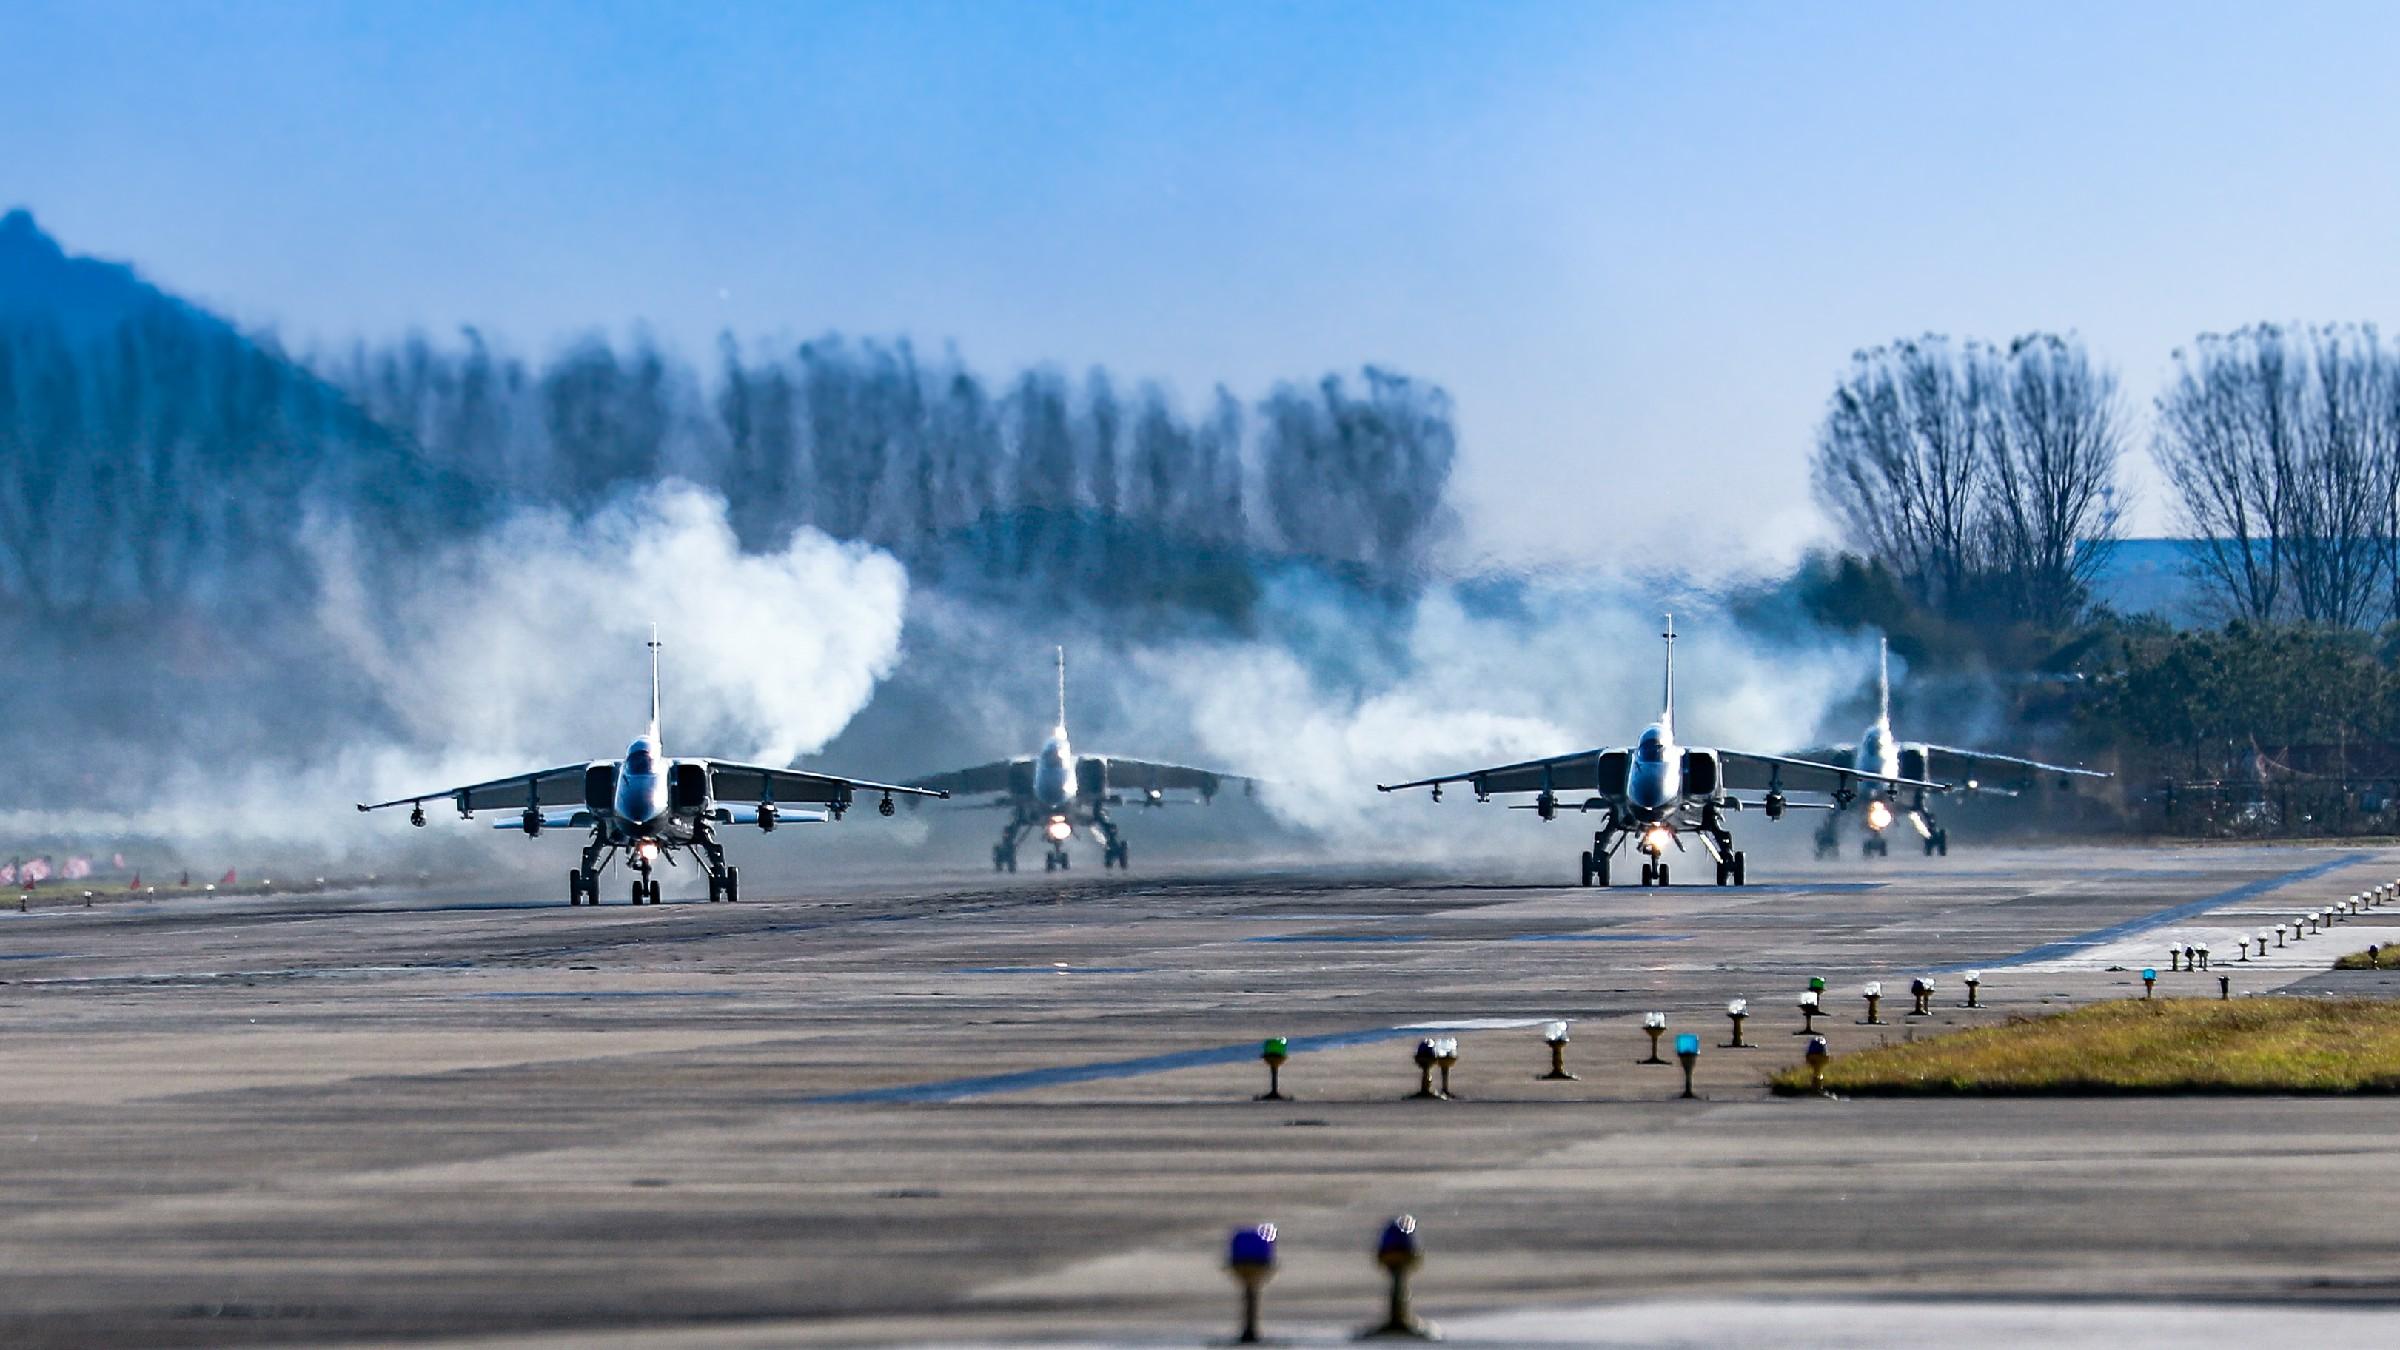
(2384, 958)
(2138, 1045)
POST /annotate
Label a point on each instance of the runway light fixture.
(2149, 981)
(1398, 1252)
(1654, 1025)
(1250, 1255)
(1555, 1036)
(2279, 935)
(2242, 949)
(1817, 1055)
(1446, 1055)
(1274, 1050)
(2203, 950)
(2174, 957)
(1427, 1055)
(1874, 993)
(1687, 1049)
(1974, 988)
(1808, 1013)
(2224, 988)
(1736, 1009)
(1921, 989)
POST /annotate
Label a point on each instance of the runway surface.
(980, 1109)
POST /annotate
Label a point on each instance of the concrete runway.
(978, 1109)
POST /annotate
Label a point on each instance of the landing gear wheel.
(1049, 862)
(1004, 859)
(637, 890)
(1599, 868)
(1929, 846)
(1741, 870)
(1649, 874)
(716, 889)
(574, 886)
(733, 885)
(1941, 842)
(1587, 867)
(652, 890)
(1121, 853)
(1662, 872)
(1724, 871)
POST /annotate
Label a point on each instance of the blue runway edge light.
(1253, 1246)
(1687, 1044)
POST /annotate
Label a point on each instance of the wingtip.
(1383, 787)
(362, 806)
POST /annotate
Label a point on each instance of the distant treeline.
(1097, 490)
(168, 464)
(164, 467)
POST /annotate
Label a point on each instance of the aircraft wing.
(1578, 772)
(1745, 771)
(729, 782)
(1977, 766)
(992, 777)
(562, 786)
(1147, 775)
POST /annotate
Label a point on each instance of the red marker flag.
(228, 880)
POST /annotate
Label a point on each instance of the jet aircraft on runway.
(1655, 792)
(1057, 791)
(1880, 752)
(647, 806)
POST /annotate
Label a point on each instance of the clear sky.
(1637, 242)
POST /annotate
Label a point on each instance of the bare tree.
(2051, 511)
(1902, 459)
(2280, 445)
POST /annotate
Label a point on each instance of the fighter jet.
(1655, 792)
(647, 807)
(1058, 792)
(1882, 753)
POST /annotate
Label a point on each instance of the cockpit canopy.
(1653, 749)
(641, 757)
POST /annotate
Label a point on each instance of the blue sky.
(1637, 242)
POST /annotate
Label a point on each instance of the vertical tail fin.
(654, 737)
(1883, 683)
(1667, 714)
(1062, 691)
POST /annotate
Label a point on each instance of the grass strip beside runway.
(2374, 958)
(2296, 1045)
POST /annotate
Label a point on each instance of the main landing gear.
(583, 882)
(1112, 845)
(1876, 846)
(1004, 853)
(1731, 863)
(1937, 840)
